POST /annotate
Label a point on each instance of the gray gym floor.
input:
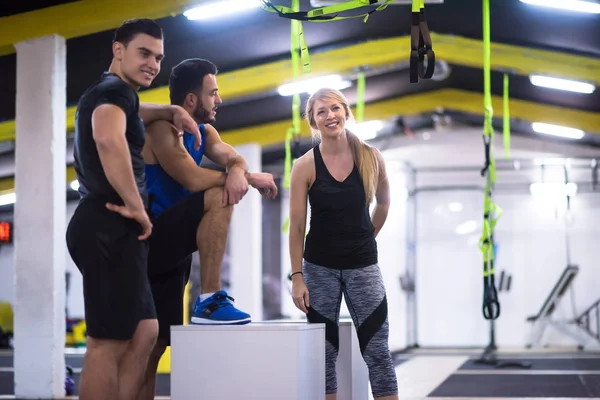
(449, 374)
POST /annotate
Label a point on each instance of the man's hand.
(236, 186)
(264, 183)
(183, 121)
(136, 213)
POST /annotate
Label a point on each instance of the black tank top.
(341, 234)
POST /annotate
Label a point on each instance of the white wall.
(7, 274)
(531, 247)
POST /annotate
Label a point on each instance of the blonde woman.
(341, 177)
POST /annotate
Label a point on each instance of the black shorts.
(172, 244)
(113, 262)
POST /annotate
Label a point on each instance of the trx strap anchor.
(420, 44)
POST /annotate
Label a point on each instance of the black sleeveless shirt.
(341, 234)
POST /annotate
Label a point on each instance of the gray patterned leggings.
(365, 297)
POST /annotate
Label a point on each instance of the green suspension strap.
(292, 137)
(491, 212)
(360, 97)
(506, 119)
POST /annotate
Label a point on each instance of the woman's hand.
(300, 293)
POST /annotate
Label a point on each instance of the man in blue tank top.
(191, 207)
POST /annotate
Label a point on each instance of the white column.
(40, 213)
(245, 246)
(288, 309)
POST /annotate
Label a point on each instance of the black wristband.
(292, 275)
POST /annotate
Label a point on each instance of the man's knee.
(146, 334)
(106, 349)
(213, 198)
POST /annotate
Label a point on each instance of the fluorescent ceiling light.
(553, 189)
(569, 5)
(314, 84)
(219, 8)
(562, 84)
(323, 3)
(556, 130)
(7, 199)
(365, 130)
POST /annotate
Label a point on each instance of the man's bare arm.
(177, 162)
(180, 118)
(382, 195)
(109, 125)
(150, 112)
(222, 153)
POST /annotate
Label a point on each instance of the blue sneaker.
(218, 309)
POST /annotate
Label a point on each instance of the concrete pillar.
(40, 214)
(288, 309)
(245, 246)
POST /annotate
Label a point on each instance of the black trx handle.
(421, 47)
(491, 305)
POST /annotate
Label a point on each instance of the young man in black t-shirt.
(107, 234)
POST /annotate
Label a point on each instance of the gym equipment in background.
(6, 325)
(578, 328)
(543, 318)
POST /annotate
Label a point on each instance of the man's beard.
(202, 115)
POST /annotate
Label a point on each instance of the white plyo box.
(351, 369)
(257, 361)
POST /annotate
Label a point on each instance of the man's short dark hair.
(187, 77)
(130, 28)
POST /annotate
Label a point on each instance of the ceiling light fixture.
(557, 130)
(562, 84)
(569, 5)
(312, 85)
(219, 8)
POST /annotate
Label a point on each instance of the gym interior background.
(430, 133)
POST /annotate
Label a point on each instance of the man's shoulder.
(109, 85)
(160, 126)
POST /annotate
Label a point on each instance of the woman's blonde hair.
(363, 154)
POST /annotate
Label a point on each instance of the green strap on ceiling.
(360, 97)
(323, 14)
(506, 119)
(491, 212)
(298, 45)
(328, 13)
(296, 40)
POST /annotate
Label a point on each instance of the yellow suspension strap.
(360, 97)
(420, 44)
(506, 118)
(491, 212)
(292, 137)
